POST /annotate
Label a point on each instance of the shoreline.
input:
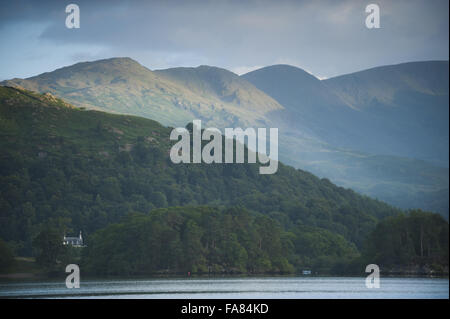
(32, 277)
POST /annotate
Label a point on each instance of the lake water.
(234, 288)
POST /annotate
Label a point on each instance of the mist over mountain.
(382, 132)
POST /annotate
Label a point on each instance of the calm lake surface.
(232, 288)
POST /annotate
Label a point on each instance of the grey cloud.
(326, 37)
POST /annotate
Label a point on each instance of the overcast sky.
(326, 38)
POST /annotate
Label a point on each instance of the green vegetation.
(415, 240)
(6, 257)
(64, 169)
(341, 128)
(209, 240)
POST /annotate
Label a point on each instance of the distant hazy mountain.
(309, 104)
(384, 85)
(405, 106)
(399, 110)
(383, 131)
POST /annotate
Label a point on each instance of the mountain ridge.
(125, 86)
(405, 74)
(318, 130)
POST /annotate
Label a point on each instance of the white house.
(73, 241)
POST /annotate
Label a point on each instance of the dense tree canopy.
(417, 238)
(111, 177)
(209, 240)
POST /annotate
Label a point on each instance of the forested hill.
(382, 132)
(71, 169)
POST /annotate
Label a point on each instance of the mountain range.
(69, 169)
(383, 131)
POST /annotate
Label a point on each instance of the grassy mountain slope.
(222, 84)
(124, 86)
